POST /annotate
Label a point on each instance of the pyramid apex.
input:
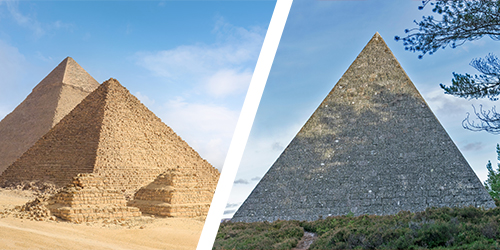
(68, 61)
(375, 57)
(68, 72)
(376, 38)
(112, 81)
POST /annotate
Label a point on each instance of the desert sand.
(144, 233)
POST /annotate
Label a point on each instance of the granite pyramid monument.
(372, 146)
(53, 98)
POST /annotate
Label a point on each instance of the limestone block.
(86, 200)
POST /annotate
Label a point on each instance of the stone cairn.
(176, 193)
(86, 200)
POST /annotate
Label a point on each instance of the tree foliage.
(486, 85)
(492, 184)
(461, 21)
(489, 121)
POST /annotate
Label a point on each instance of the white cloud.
(277, 146)
(256, 178)
(40, 56)
(241, 181)
(30, 22)
(449, 106)
(24, 20)
(208, 118)
(12, 65)
(210, 81)
(207, 128)
(223, 68)
(228, 81)
(232, 211)
(473, 146)
(230, 205)
(144, 99)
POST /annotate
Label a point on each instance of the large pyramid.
(53, 98)
(112, 135)
(373, 146)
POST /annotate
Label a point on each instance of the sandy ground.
(147, 233)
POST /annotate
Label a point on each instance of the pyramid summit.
(373, 146)
(115, 138)
(53, 98)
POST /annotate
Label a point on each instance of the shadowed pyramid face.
(53, 98)
(115, 137)
(373, 146)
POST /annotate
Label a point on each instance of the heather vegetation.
(258, 235)
(437, 228)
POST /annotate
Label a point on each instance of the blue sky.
(190, 62)
(320, 40)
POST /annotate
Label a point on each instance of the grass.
(434, 228)
(258, 235)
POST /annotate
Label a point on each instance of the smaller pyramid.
(53, 98)
(176, 193)
(86, 200)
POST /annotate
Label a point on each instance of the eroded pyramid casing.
(53, 98)
(373, 146)
(87, 200)
(175, 193)
(112, 135)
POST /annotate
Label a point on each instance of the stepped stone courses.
(373, 146)
(53, 98)
(87, 200)
(176, 193)
(115, 137)
(115, 145)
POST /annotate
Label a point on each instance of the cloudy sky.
(190, 62)
(320, 40)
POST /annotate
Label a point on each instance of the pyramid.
(373, 146)
(175, 193)
(86, 200)
(53, 98)
(112, 135)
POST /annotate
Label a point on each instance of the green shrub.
(437, 228)
(258, 235)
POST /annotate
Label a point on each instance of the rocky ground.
(306, 241)
(26, 223)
